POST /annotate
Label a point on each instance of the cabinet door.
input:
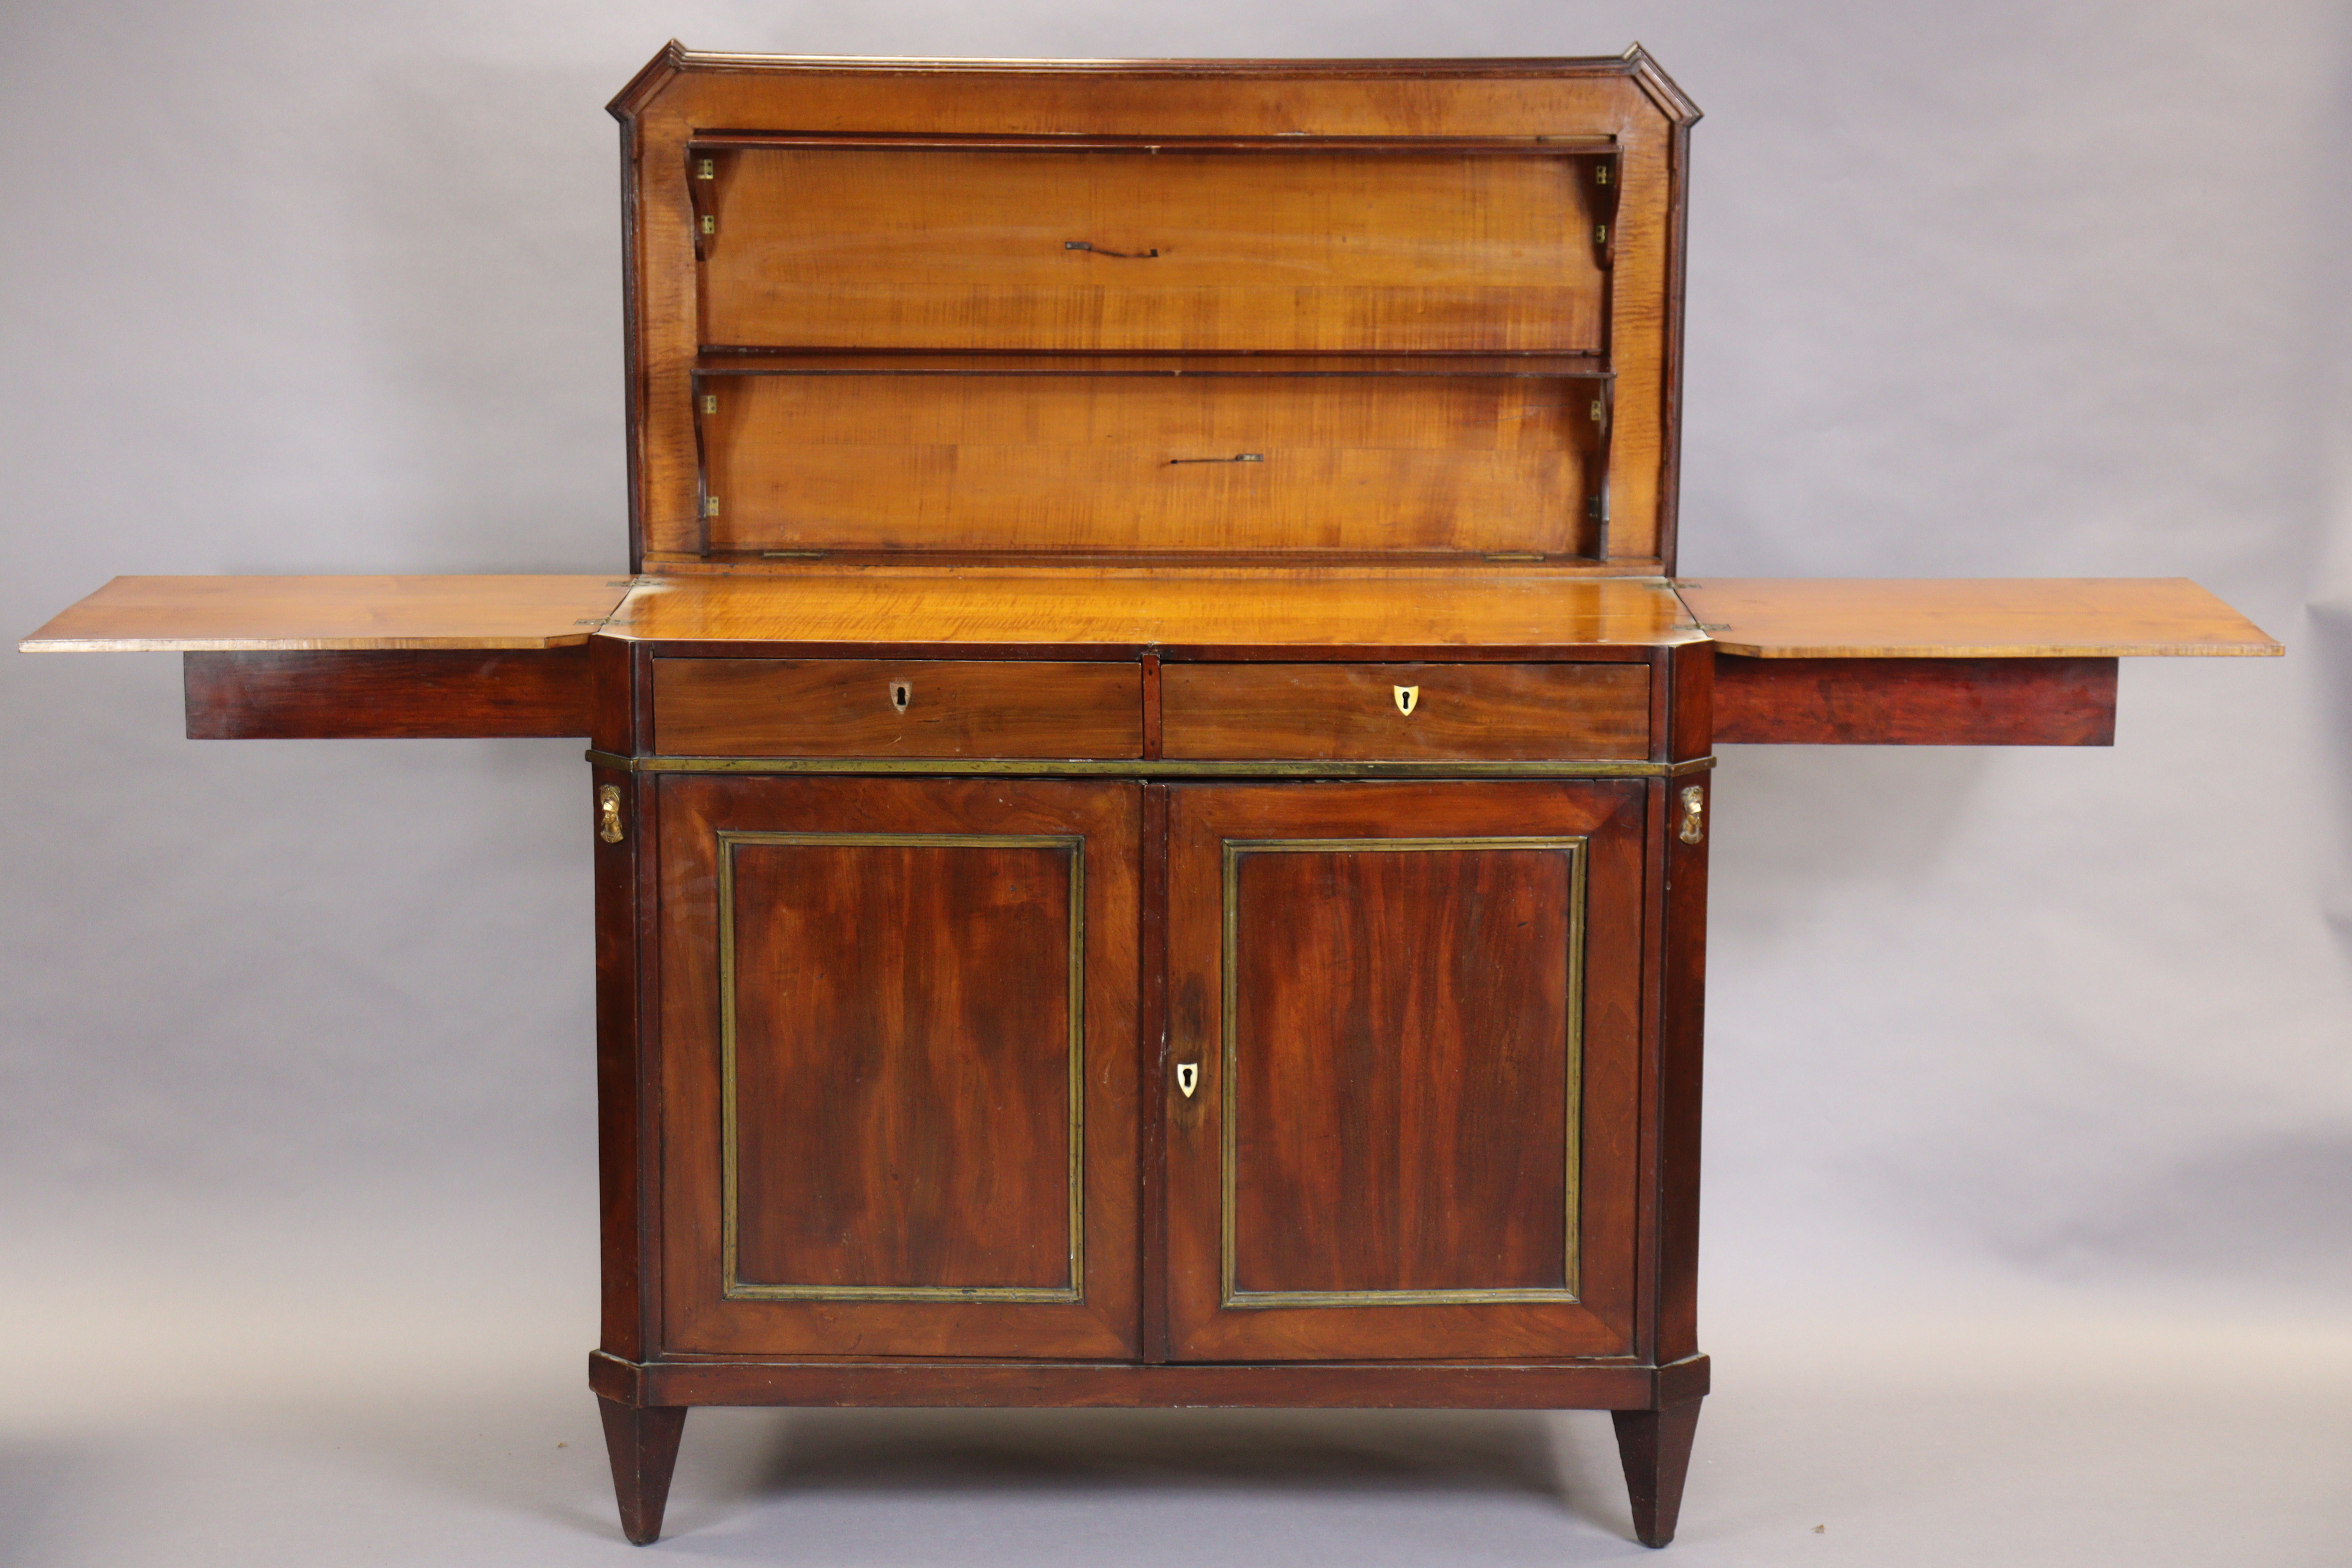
(899, 1066)
(1411, 1017)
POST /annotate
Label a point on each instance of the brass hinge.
(708, 169)
(710, 506)
(710, 403)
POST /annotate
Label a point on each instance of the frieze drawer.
(910, 708)
(1402, 713)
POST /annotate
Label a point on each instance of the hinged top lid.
(1272, 312)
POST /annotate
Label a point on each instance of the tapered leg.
(643, 1443)
(1655, 1447)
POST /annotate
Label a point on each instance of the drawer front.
(1402, 712)
(877, 707)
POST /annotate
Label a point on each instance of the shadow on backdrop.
(1296, 1458)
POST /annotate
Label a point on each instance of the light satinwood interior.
(1114, 612)
(1140, 462)
(1031, 347)
(1144, 247)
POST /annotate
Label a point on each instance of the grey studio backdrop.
(2029, 1123)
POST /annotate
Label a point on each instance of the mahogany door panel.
(899, 1066)
(1407, 1018)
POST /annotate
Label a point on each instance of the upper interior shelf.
(912, 362)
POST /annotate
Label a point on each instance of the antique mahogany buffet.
(1149, 783)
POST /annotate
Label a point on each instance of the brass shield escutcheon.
(1408, 697)
(1188, 1077)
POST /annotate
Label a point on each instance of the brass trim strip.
(732, 1286)
(1137, 768)
(1228, 1151)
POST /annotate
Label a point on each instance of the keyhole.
(900, 695)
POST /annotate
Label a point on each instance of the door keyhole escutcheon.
(1408, 697)
(1188, 1077)
(901, 693)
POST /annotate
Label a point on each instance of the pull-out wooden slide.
(2023, 661)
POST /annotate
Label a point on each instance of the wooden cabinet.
(1150, 780)
(1336, 1068)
